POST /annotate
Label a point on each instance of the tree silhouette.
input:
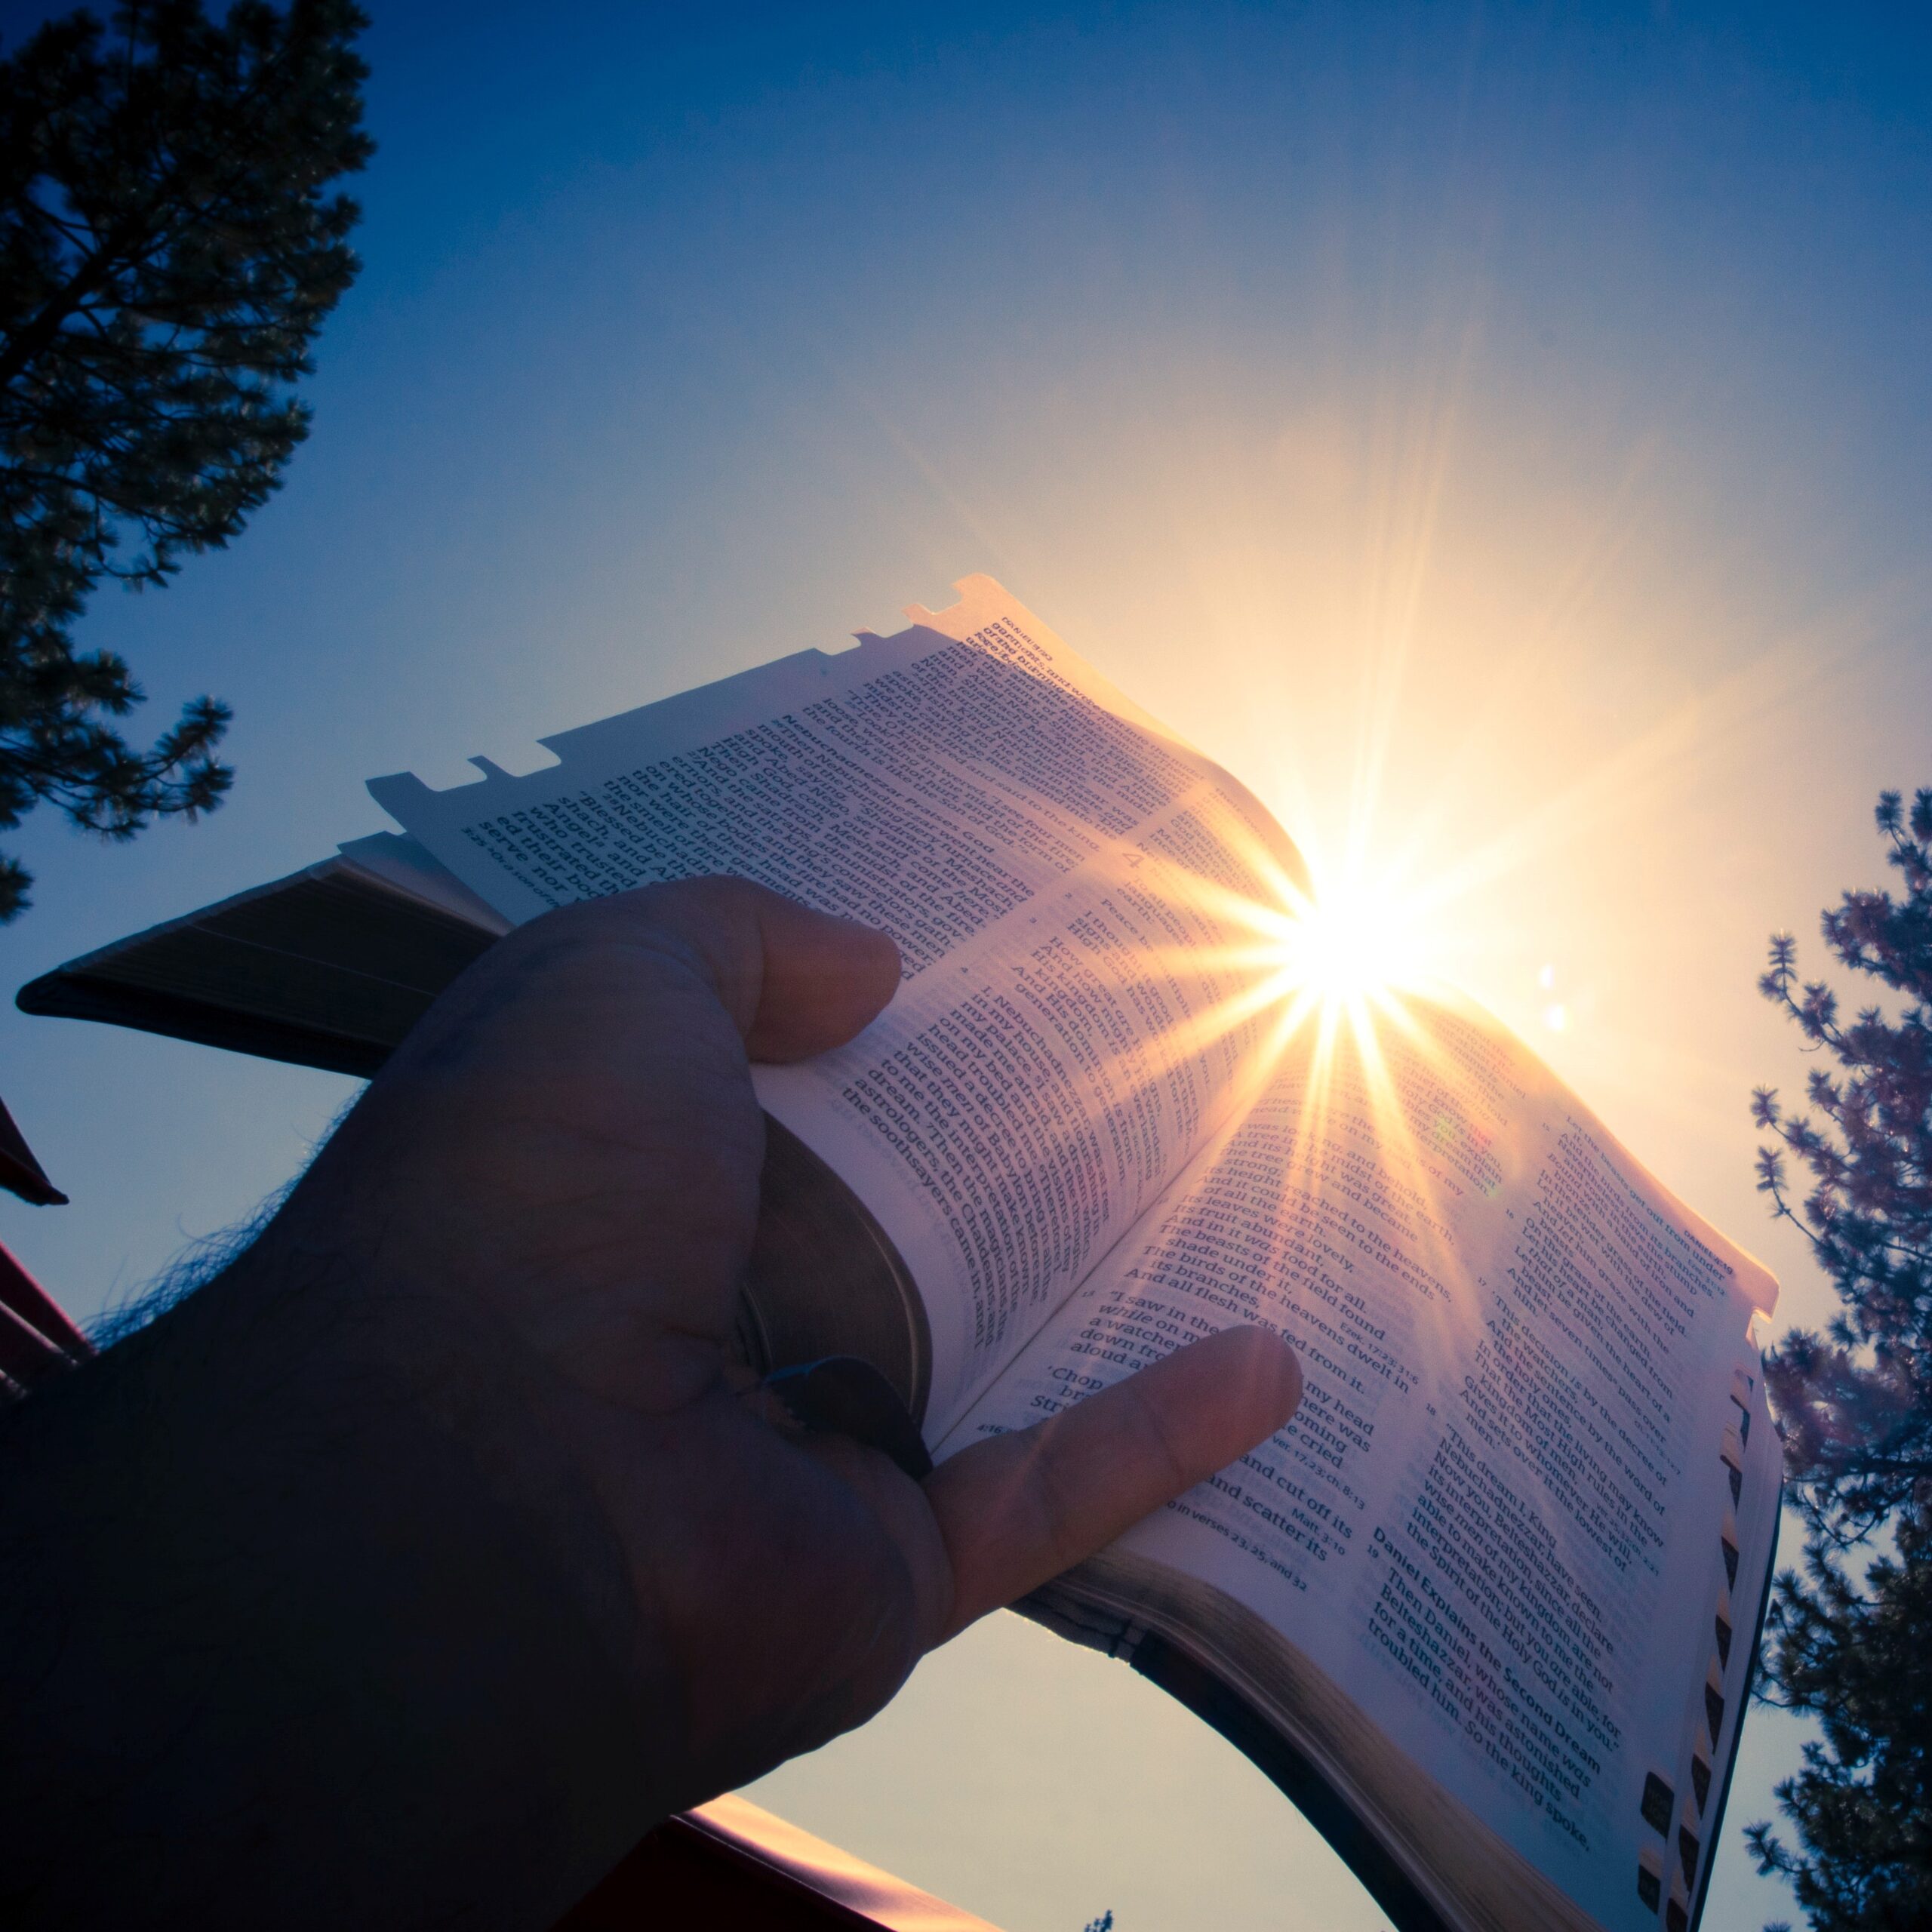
(1850, 1636)
(168, 250)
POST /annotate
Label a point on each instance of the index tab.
(399, 794)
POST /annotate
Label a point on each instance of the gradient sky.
(1499, 435)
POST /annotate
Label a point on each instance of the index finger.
(1019, 1509)
(796, 982)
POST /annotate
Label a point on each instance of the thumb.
(1019, 1508)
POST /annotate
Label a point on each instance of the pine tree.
(1850, 1636)
(169, 248)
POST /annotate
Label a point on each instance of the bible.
(1487, 1608)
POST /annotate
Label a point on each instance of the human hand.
(533, 1225)
(571, 1139)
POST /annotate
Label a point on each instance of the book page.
(1082, 995)
(403, 864)
(1528, 1503)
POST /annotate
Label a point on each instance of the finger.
(826, 979)
(796, 982)
(1019, 1509)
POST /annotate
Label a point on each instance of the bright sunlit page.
(1138, 1082)
(1498, 1520)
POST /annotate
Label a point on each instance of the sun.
(1348, 944)
(1327, 949)
(1355, 938)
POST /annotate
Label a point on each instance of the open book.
(1487, 1608)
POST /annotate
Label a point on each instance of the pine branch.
(1855, 1412)
(173, 248)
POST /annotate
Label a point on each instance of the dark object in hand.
(841, 1396)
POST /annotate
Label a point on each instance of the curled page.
(1533, 1462)
(1068, 886)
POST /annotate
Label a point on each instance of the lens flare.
(1355, 938)
(1345, 950)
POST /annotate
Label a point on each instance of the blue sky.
(1500, 435)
